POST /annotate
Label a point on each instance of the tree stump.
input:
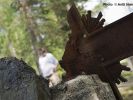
(84, 87)
(18, 81)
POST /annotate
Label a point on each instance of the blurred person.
(48, 66)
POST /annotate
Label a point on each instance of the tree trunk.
(31, 27)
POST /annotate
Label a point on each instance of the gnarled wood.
(94, 49)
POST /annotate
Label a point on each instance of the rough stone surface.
(18, 81)
(84, 87)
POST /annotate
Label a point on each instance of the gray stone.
(18, 81)
(83, 87)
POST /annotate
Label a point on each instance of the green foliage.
(13, 38)
(50, 26)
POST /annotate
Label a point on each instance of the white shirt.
(47, 64)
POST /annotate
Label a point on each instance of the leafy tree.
(26, 25)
